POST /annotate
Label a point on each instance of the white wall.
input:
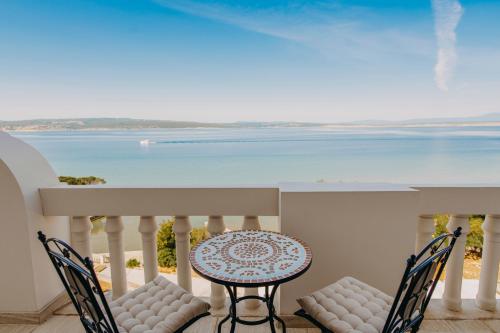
(364, 231)
(28, 281)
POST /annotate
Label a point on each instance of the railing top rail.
(459, 199)
(159, 201)
(259, 200)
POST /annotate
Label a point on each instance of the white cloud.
(328, 27)
(447, 15)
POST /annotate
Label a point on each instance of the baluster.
(114, 230)
(80, 227)
(486, 296)
(215, 227)
(452, 298)
(148, 228)
(251, 223)
(425, 229)
(182, 228)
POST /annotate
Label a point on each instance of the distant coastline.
(109, 124)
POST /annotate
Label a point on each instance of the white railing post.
(216, 226)
(182, 228)
(148, 228)
(486, 296)
(452, 298)
(114, 230)
(80, 227)
(425, 229)
(251, 223)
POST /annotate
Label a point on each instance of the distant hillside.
(97, 123)
(129, 123)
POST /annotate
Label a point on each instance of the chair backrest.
(418, 283)
(78, 277)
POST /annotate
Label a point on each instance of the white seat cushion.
(159, 306)
(348, 306)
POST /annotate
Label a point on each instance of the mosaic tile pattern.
(250, 257)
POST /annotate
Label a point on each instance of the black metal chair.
(97, 316)
(351, 305)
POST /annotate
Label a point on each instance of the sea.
(239, 156)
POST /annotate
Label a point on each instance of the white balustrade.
(80, 227)
(182, 228)
(454, 269)
(425, 229)
(252, 202)
(251, 223)
(114, 230)
(148, 228)
(486, 296)
(216, 226)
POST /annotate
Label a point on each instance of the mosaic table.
(251, 259)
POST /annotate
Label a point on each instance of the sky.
(261, 60)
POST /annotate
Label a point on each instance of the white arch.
(28, 283)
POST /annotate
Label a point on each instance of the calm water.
(249, 156)
(256, 156)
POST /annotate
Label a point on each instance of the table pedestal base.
(268, 300)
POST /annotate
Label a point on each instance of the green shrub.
(474, 244)
(166, 242)
(91, 180)
(133, 263)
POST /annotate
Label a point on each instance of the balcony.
(363, 230)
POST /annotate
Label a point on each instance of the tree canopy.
(90, 180)
(166, 242)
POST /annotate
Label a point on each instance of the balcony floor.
(65, 320)
(70, 323)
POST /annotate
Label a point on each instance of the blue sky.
(249, 60)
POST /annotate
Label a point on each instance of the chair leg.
(416, 328)
(302, 313)
(191, 322)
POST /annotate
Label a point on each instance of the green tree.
(166, 245)
(90, 180)
(474, 243)
(166, 242)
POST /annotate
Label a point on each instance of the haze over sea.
(469, 154)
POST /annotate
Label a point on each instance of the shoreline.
(334, 126)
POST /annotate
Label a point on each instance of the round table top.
(251, 258)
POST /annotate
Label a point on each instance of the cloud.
(327, 26)
(447, 15)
